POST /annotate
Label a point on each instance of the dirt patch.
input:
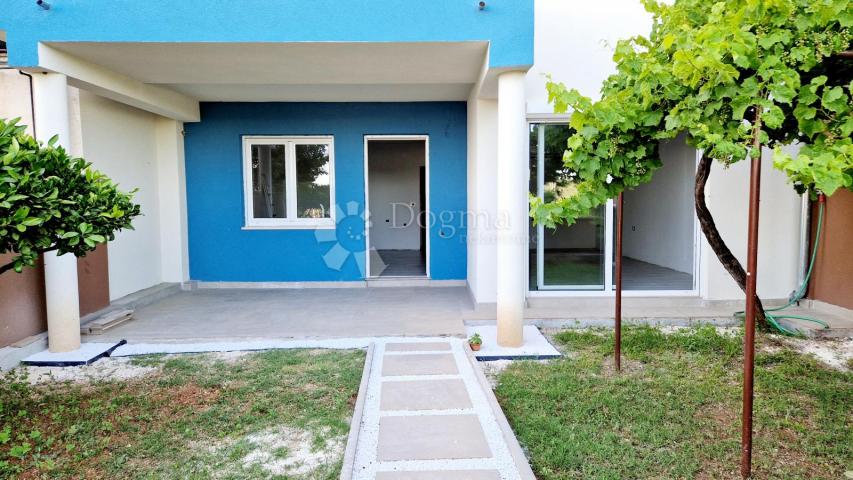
(290, 451)
(232, 357)
(723, 419)
(629, 367)
(834, 353)
(106, 369)
(492, 369)
(724, 331)
(192, 395)
(282, 451)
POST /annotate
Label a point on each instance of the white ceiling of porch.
(327, 71)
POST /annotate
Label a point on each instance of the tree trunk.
(709, 229)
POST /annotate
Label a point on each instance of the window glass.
(289, 182)
(312, 181)
(565, 257)
(269, 181)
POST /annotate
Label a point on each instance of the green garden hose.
(773, 319)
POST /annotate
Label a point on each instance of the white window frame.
(290, 221)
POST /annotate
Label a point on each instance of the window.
(289, 182)
(565, 257)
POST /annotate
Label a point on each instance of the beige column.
(171, 182)
(512, 245)
(50, 94)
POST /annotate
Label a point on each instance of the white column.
(512, 208)
(171, 184)
(50, 94)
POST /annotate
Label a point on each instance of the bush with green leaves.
(50, 200)
(735, 76)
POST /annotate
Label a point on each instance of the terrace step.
(108, 320)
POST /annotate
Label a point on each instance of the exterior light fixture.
(481, 5)
(44, 5)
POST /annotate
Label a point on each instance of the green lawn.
(196, 416)
(675, 410)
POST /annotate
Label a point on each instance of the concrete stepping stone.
(430, 437)
(425, 412)
(441, 475)
(418, 347)
(425, 395)
(420, 364)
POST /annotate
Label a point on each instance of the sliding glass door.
(567, 257)
(659, 226)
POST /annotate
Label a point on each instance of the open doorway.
(396, 197)
(659, 230)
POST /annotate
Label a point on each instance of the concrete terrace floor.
(225, 314)
(234, 314)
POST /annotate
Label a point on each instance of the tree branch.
(715, 240)
(7, 267)
(11, 265)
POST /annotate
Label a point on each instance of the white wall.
(394, 191)
(659, 223)
(15, 98)
(574, 43)
(727, 195)
(482, 198)
(120, 141)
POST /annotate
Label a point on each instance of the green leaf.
(835, 99)
(773, 117)
(21, 214)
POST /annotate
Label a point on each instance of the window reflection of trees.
(559, 180)
(312, 176)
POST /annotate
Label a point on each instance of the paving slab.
(429, 415)
(418, 347)
(431, 437)
(420, 364)
(441, 475)
(448, 394)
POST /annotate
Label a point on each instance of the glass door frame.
(609, 219)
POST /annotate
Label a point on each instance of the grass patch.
(195, 418)
(674, 412)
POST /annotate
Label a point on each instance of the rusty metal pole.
(749, 322)
(618, 313)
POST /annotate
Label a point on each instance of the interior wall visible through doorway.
(394, 189)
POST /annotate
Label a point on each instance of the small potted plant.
(475, 342)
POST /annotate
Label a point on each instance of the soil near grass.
(275, 414)
(674, 412)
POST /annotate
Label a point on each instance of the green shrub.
(50, 200)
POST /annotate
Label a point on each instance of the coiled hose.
(769, 313)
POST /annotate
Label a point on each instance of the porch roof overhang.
(170, 79)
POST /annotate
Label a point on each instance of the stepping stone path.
(426, 416)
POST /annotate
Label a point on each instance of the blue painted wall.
(221, 251)
(507, 24)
